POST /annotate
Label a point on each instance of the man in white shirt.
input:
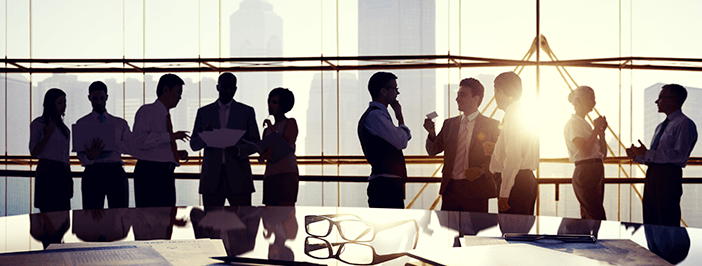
(104, 175)
(155, 148)
(516, 153)
(670, 149)
(383, 142)
(466, 183)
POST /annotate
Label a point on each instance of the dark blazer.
(241, 116)
(486, 129)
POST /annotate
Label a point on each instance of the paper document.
(281, 148)
(512, 254)
(221, 137)
(83, 135)
(175, 252)
(117, 255)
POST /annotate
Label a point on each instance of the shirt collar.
(95, 115)
(161, 106)
(470, 117)
(674, 115)
(225, 106)
(381, 106)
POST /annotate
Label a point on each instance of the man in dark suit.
(226, 173)
(466, 183)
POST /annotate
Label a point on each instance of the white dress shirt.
(517, 148)
(151, 140)
(379, 123)
(56, 148)
(577, 127)
(676, 143)
(123, 139)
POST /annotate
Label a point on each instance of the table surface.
(334, 235)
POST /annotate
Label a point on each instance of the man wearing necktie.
(104, 174)
(466, 183)
(670, 149)
(226, 173)
(155, 148)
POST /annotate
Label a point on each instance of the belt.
(595, 160)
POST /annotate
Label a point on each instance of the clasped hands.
(634, 151)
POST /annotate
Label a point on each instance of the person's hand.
(398, 111)
(267, 123)
(95, 148)
(473, 173)
(181, 135)
(208, 127)
(429, 126)
(639, 151)
(266, 155)
(49, 127)
(183, 154)
(630, 152)
(488, 148)
(502, 204)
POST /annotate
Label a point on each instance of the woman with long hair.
(281, 178)
(49, 141)
(587, 149)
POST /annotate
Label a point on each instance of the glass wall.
(329, 103)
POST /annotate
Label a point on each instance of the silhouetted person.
(670, 149)
(49, 141)
(587, 149)
(226, 173)
(466, 183)
(155, 148)
(155, 223)
(516, 153)
(99, 225)
(104, 175)
(281, 179)
(383, 142)
(671, 244)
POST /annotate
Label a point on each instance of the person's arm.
(685, 135)
(40, 133)
(381, 125)
(435, 145)
(513, 155)
(291, 131)
(143, 137)
(122, 145)
(243, 148)
(196, 142)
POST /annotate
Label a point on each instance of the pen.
(230, 259)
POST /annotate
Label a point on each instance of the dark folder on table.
(281, 148)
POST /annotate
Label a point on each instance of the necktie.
(461, 150)
(174, 148)
(102, 119)
(656, 140)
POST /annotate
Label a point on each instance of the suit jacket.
(485, 130)
(242, 117)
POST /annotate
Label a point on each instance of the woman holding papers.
(281, 178)
(49, 137)
(587, 149)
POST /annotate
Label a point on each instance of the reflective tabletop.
(348, 236)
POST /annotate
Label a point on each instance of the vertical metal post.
(538, 84)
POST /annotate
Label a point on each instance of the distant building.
(400, 27)
(322, 115)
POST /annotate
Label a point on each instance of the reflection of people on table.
(511, 223)
(281, 179)
(587, 149)
(226, 173)
(154, 145)
(49, 141)
(281, 224)
(49, 227)
(466, 183)
(104, 175)
(579, 227)
(237, 226)
(382, 143)
(466, 223)
(154, 223)
(670, 149)
(99, 225)
(516, 153)
(671, 244)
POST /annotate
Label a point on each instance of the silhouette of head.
(97, 94)
(226, 86)
(380, 81)
(280, 100)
